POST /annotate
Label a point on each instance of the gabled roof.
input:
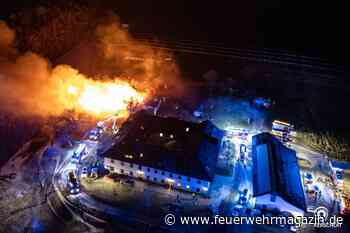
(276, 170)
(169, 144)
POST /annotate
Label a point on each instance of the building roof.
(276, 170)
(169, 144)
(340, 164)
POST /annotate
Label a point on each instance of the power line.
(238, 54)
(149, 37)
(322, 78)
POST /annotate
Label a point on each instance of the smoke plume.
(144, 66)
(29, 85)
(7, 39)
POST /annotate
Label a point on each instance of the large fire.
(99, 98)
(30, 85)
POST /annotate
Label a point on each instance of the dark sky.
(316, 28)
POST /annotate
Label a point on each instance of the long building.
(167, 151)
(276, 176)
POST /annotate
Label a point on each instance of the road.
(92, 212)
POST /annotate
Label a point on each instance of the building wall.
(158, 176)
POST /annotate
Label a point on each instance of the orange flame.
(99, 98)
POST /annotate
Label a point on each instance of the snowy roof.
(276, 170)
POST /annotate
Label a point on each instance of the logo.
(321, 218)
(169, 219)
(321, 213)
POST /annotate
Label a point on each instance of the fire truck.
(283, 130)
(78, 153)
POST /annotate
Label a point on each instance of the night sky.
(304, 27)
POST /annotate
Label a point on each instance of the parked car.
(84, 172)
(243, 197)
(94, 172)
(72, 183)
(308, 178)
(95, 134)
(242, 152)
(338, 177)
(78, 153)
(313, 191)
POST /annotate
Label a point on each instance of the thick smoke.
(146, 67)
(23, 85)
(7, 37)
(29, 85)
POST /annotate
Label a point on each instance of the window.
(140, 167)
(121, 170)
(111, 168)
(131, 173)
(179, 177)
(162, 181)
(162, 173)
(198, 182)
(155, 179)
(131, 165)
(188, 179)
(197, 190)
(171, 175)
(112, 160)
(155, 171)
(147, 177)
(148, 169)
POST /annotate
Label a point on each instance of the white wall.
(115, 166)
